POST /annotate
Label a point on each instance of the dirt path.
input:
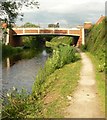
(85, 102)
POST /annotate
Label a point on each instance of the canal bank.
(32, 106)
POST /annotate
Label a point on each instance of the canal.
(20, 70)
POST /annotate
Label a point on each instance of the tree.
(10, 10)
(28, 24)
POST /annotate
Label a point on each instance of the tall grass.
(96, 41)
(61, 56)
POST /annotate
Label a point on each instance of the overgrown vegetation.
(62, 40)
(100, 77)
(83, 48)
(32, 106)
(65, 81)
(95, 43)
(8, 50)
(30, 42)
(29, 25)
(61, 56)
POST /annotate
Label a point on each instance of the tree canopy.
(11, 9)
(28, 24)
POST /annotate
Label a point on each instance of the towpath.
(85, 101)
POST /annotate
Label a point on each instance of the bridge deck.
(47, 31)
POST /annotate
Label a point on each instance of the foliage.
(32, 42)
(63, 82)
(17, 102)
(11, 9)
(28, 24)
(83, 48)
(96, 41)
(61, 56)
(62, 39)
(100, 79)
(9, 50)
(31, 106)
(96, 45)
(57, 41)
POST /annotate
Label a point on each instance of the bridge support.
(7, 38)
(83, 37)
(13, 40)
(81, 40)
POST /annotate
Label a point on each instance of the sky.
(68, 13)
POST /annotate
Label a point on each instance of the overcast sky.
(66, 12)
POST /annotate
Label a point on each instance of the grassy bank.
(95, 45)
(59, 74)
(96, 41)
(65, 82)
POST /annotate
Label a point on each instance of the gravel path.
(85, 101)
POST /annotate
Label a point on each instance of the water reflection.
(44, 53)
(8, 63)
(20, 72)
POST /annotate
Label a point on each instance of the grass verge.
(100, 79)
(65, 82)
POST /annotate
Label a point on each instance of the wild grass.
(65, 81)
(96, 41)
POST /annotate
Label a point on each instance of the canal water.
(20, 71)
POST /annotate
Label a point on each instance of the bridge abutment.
(81, 40)
(13, 40)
